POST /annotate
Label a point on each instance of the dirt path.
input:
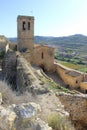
(55, 78)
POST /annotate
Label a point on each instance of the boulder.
(22, 117)
(7, 118)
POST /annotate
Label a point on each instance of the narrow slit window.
(24, 24)
(42, 55)
(28, 25)
(76, 81)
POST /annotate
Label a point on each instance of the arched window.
(24, 25)
(28, 25)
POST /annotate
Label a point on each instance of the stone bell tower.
(25, 33)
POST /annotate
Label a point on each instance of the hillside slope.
(73, 39)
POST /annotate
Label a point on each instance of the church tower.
(25, 33)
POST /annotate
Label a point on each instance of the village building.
(40, 55)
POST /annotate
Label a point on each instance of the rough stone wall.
(20, 75)
(23, 78)
(72, 81)
(25, 32)
(9, 68)
(83, 86)
(76, 105)
(44, 56)
(28, 56)
(26, 78)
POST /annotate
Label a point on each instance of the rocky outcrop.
(27, 79)
(22, 117)
(9, 68)
(76, 105)
(20, 75)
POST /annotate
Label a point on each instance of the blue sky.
(52, 17)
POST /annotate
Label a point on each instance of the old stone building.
(37, 54)
(25, 32)
(43, 56)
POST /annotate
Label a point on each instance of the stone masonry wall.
(9, 68)
(71, 77)
(76, 105)
(44, 56)
(26, 78)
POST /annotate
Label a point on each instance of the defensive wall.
(20, 75)
(72, 78)
(43, 57)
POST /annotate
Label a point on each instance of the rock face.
(27, 78)
(22, 117)
(76, 105)
(20, 75)
(9, 68)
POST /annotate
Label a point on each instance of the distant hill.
(13, 39)
(73, 39)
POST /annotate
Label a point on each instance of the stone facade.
(70, 77)
(44, 57)
(39, 55)
(25, 30)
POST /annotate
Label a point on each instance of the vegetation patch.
(58, 122)
(56, 87)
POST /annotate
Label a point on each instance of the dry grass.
(58, 122)
(11, 97)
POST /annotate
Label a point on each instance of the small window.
(42, 56)
(24, 26)
(28, 25)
